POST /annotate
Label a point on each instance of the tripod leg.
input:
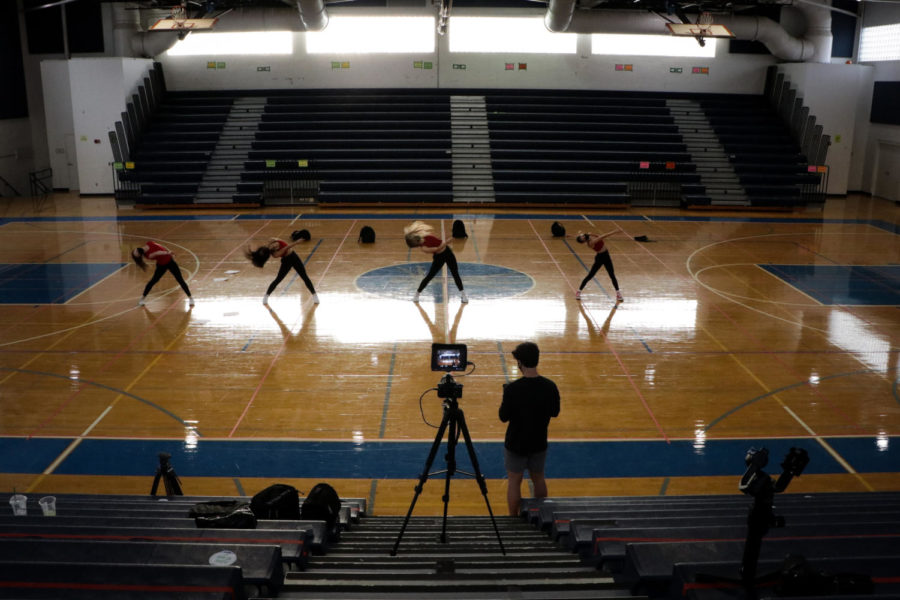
(172, 483)
(452, 438)
(422, 478)
(478, 476)
(156, 481)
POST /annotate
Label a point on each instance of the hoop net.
(179, 16)
(704, 21)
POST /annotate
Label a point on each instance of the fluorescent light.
(651, 45)
(508, 34)
(372, 35)
(220, 44)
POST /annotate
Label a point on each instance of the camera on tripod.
(449, 357)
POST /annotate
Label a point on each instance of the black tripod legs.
(166, 473)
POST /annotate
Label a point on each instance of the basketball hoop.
(178, 15)
(704, 22)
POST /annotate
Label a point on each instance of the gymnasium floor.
(738, 330)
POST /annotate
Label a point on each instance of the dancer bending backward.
(601, 259)
(420, 235)
(289, 259)
(164, 262)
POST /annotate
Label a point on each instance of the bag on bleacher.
(223, 514)
(278, 501)
(322, 504)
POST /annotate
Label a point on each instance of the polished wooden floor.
(713, 348)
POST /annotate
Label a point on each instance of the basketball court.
(737, 330)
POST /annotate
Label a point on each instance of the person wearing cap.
(528, 405)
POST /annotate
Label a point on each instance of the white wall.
(59, 124)
(832, 93)
(877, 134)
(738, 74)
(100, 89)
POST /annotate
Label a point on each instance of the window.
(879, 43)
(508, 34)
(356, 35)
(219, 44)
(651, 45)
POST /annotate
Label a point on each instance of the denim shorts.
(517, 463)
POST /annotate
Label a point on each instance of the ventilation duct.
(312, 14)
(561, 16)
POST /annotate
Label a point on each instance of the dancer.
(289, 259)
(164, 262)
(601, 259)
(420, 235)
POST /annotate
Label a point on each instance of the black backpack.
(557, 230)
(278, 501)
(459, 229)
(223, 514)
(300, 234)
(322, 504)
(367, 235)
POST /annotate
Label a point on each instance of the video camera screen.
(448, 357)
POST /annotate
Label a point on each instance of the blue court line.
(380, 459)
(877, 223)
(105, 387)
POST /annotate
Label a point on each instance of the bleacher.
(105, 546)
(693, 546)
(507, 147)
(118, 546)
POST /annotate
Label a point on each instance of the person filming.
(528, 405)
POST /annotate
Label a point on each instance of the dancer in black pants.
(601, 259)
(289, 260)
(419, 235)
(164, 262)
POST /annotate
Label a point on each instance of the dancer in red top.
(164, 262)
(289, 259)
(419, 235)
(601, 259)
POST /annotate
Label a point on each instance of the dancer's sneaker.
(266, 300)
(578, 294)
(416, 297)
(463, 298)
(191, 302)
(142, 301)
(619, 297)
(315, 298)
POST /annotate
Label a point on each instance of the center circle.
(481, 281)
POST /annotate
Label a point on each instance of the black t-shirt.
(528, 405)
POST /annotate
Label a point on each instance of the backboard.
(699, 30)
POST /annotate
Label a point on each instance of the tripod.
(454, 422)
(166, 472)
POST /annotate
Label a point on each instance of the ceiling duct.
(312, 14)
(815, 45)
(130, 39)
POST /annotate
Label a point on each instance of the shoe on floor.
(463, 298)
(416, 297)
(142, 301)
(619, 297)
(266, 300)
(191, 302)
(578, 295)
(315, 298)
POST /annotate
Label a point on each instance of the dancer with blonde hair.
(421, 235)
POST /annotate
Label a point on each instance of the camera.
(448, 357)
